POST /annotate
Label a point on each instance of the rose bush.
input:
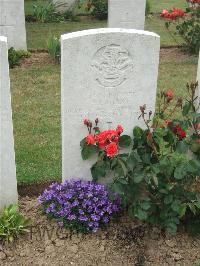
(157, 176)
(187, 24)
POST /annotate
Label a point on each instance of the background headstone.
(63, 5)
(128, 14)
(12, 23)
(8, 182)
(106, 73)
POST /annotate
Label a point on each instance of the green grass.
(38, 33)
(28, 5)
(158, 5)
(36, 113)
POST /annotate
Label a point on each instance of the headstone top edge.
(3, 39)
(82, 33)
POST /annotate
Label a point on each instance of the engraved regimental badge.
(112, 65)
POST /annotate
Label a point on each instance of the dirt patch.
(123, 243)
(37, 58)
(34, 189)
(174, 54)
(41, 57)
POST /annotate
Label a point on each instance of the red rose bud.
(119, 129)
(90, 140)
(168, 122)
(90, 124)
(86, 122)
(169, 95)
(96, 121)
(111, 149)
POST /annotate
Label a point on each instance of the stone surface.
(106, 73)
(8, 183)
(63, 5)
(126, 14)
(12, 23)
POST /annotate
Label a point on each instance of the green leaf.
(186, 108)
(83, 142)
(118, 188)
(123, 166)
(124, 141)
(179, 172)
(138, 178)
(88, 150)
(182, 210)
(98, 170)
(176, 205)
(171, 228)
(182, 147)
(137, 132)
(141, 214)
(145, 205)
(168, 199)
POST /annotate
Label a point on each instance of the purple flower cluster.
(80, 205)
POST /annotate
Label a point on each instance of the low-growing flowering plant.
(187, 24)
(156, 177)
(79, 205)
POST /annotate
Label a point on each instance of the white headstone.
(12, 23)
(63, 5)
(8, 182)
(106, 73)
(128, 14)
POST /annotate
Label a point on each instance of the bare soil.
(126, 242)
(42, 58)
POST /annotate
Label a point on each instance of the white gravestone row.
(126, 14)
(105, 73)
(12, 23)
(8, 183)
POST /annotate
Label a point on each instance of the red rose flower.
(169, 94)
(106, 137)
(90, 140)
(164, 13)
(180, 133)
(119, 129)
(112, 149)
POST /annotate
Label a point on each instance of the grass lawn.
(158, 5)
(36, 112)
(38, 33)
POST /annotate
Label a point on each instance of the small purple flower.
(72, 217)
(79, 204)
